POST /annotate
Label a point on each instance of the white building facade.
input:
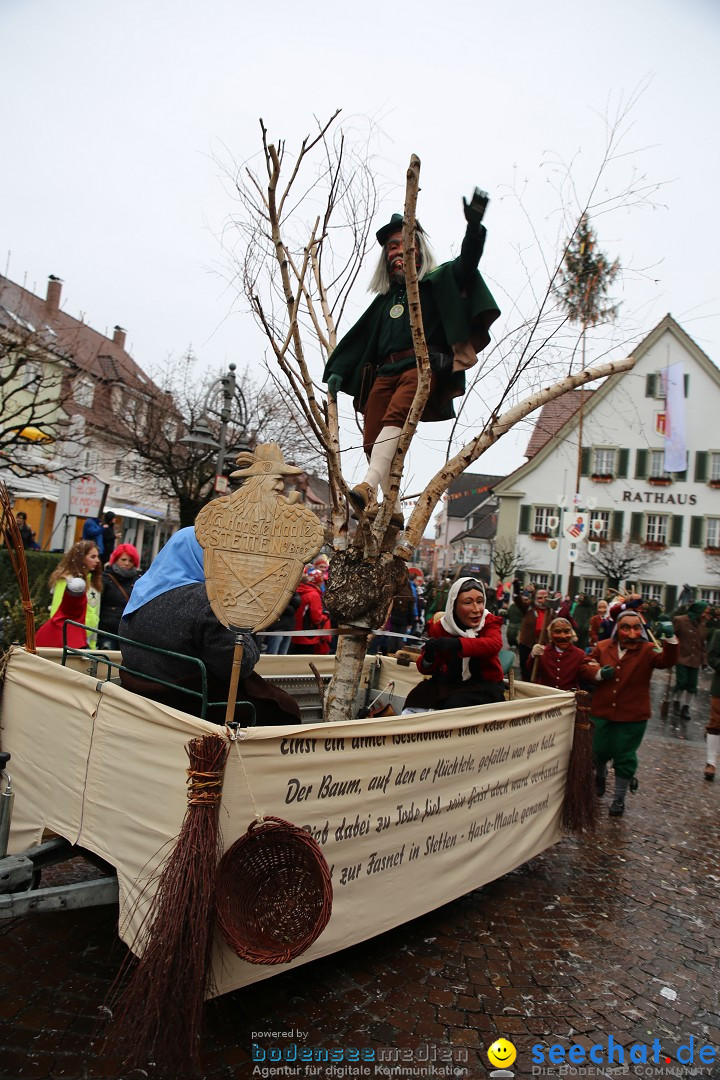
(624, 489)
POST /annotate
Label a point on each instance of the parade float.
(403, 813)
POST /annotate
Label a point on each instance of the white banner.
(411, 811)
(675, 445)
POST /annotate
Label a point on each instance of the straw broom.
(16, 550)
(579, 805)
(158, 1017)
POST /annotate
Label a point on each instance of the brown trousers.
(389, 403)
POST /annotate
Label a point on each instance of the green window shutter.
(641, 465)
(524, 526)
(636, 528)
(623, 463)
(585, 461)
(697, 527)
(676, 530)
(701, 464)
(681, 475)
(650, 384)
(686, 381)
(670, 598)
(616, 531)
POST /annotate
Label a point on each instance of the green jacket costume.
(463, 318)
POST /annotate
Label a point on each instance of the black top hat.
(394, 225)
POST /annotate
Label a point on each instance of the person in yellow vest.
(76, 585)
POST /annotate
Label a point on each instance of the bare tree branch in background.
(33, 392)
(621, 560)
(508, 559)
(153, 431)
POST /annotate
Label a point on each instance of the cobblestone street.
(614, 935)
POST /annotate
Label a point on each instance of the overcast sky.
(115, 117)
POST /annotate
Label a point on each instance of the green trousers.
(618, 742)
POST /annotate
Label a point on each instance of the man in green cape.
(375, 361)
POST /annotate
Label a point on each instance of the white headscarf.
(448, 620)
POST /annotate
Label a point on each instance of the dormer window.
(84, 392)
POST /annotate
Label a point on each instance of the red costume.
(73, 606)
(560, 667)
(311, 615)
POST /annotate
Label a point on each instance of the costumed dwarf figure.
(600, 624)
(462, 656)
(691, 634)
(534, 609)
(559, 663)
(375, 361)
(621, 707)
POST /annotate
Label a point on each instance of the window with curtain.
(656, 529)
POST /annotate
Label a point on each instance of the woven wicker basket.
(274, 893)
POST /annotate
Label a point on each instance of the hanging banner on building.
(675, 445)
(575, 525)
(87, 496)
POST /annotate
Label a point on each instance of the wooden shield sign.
(256, 542)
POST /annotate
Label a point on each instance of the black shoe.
(633, 786)
(600, 784)
(617, 808)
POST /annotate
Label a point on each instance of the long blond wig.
(380, 281)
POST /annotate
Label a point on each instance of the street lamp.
(230, 396)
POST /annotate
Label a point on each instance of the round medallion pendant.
(396, 311)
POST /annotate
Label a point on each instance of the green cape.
(464, 318)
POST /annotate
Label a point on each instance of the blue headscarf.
(179, 563)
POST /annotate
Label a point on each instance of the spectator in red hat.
(119, 577)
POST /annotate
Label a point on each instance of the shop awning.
(35, 495)
(126, 512)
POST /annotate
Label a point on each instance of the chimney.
(54, 289)
(119, 337)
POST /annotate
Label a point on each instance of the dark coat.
(182, 621)
(117, 587)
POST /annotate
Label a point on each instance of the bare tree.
(32, 396)
(286, 229)
(621, 560)
(154, 428)
(509, 559)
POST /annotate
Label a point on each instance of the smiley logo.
(502, 1053)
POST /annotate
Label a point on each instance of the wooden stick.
(551, 607)
(234, 678)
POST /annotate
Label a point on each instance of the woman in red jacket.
(311, 615)
(462, 656)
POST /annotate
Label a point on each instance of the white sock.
(378, 472)
(713, 745)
